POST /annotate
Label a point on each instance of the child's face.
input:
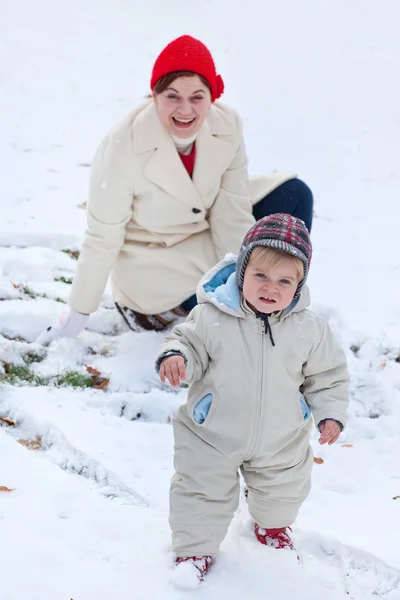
(269, 289)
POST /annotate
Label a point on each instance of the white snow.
(316, 84)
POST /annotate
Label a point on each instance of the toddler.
(259, 363)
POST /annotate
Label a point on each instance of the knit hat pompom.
(220, 86)
(283, 232)
(188, 54)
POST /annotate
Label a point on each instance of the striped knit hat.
(280, 231)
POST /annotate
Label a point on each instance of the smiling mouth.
(183, 123)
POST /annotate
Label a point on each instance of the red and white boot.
(202, 564)
(274, 538)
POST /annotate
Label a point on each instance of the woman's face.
(183, 106)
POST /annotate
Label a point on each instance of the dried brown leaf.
(16, 285)
(101, 384)
(93, 371)
(347, 445)
(35, 444)
(396, 497)
(3, 488)
(7, 421)
(318, 460)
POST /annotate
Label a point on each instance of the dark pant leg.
(190, 302)
(293, 197)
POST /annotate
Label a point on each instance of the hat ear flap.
(219, 87)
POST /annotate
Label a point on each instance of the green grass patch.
(33, 357)
(32, 294)
(20, 371)
(23, 375)
(19, 374)
(64, 279)
(72, 253)
(29, 292)
(74, 379)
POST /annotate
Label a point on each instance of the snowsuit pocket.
(305, 409)
(201, 408)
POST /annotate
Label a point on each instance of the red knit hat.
(188, 54)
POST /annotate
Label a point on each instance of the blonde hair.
(274, 258)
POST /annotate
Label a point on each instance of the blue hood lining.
(223, 288)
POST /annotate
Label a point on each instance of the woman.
(170, 196)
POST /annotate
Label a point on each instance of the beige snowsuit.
(258, 420)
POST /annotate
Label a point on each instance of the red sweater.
(188, 160)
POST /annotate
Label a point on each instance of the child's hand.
(330, 432)
(173, 368)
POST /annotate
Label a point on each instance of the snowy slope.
(317, 88)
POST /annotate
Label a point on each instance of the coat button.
(196, 210)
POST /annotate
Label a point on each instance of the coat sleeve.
(326, 378)
(231, 214)
(188, 340)
(108, 212)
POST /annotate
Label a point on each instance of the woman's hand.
(330, 431)
(68, 327)
(173, 368)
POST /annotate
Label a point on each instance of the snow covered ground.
(316, 85)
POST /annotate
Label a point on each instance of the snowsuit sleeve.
(188, 340)
(108, 212)
(231, 214)
(326, 378)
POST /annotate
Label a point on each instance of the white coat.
(151, 226)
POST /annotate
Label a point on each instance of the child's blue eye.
(285, 281)
(261, 275)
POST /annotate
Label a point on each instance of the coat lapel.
(213, 156)
(165, 167)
